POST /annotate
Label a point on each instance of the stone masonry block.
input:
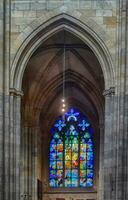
(109, 21)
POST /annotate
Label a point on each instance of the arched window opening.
(71, 160)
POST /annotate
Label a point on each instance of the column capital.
(109, 92)
(15, 92)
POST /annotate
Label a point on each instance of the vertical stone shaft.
(14, 150)
(1, 100)
(108, 145)
(122, 121)
(28, 179)
(101, 164)
(6, 122)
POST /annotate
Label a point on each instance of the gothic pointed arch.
(51, 27)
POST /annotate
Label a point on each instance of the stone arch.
(30, 42)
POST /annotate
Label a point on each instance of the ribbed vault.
(43, 76)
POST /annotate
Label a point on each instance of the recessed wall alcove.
(42, 86)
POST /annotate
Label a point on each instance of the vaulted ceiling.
(43, 79)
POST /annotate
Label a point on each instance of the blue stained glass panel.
(52, 182)
(59, 182)
(53, 174)
(90, 147)
(83, 182)
(53, 156)
(52, 164)
(90, 173)
(75, 173)
(83, 156)
(53, 148)
(75, 182)
(83, 147)
(89, 182)
(67, 174)
(90, 155)
(90, 164)
(68, 182)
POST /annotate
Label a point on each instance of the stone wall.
(71, 196)
(109, 21)
(100, 16)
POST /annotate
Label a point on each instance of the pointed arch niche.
(37, 71)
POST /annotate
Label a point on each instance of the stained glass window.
(71, 162)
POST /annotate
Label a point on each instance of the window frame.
(75, 189)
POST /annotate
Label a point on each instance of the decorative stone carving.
(109, 92)
(15, 92)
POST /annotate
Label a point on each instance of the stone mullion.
(108, 145)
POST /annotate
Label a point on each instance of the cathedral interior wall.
(21, 135)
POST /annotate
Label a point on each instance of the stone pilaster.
(108, 144)
(28, 181)
(122, 120)
(101, 162)
(15, 142)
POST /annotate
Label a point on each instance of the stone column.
(122, 99)
(108, 145)
(1, 101)
(101, 161)
(14, 144)
(28, 182)
(4, 99)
